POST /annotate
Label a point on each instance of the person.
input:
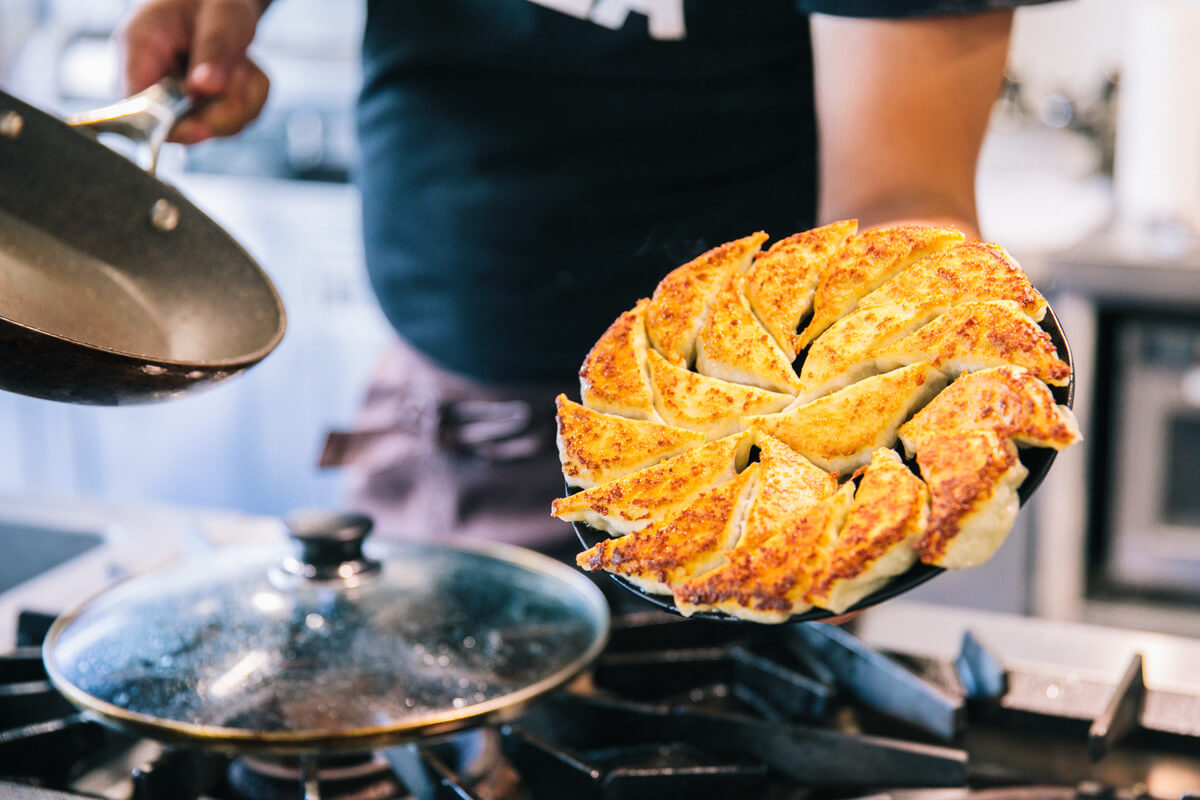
(530, 168)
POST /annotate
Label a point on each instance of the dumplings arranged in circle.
(739, 432)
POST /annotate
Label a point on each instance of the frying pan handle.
(147, 116)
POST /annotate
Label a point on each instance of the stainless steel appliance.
(1153, 474)
(1118, 528)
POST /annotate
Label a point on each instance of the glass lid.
(327, 647)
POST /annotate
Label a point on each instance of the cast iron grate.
(673, 708)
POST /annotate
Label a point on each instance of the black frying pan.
(1036, 459)
(114, 288)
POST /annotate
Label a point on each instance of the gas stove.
(679, 708)
(918, 702)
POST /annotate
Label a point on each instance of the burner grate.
(673, 708)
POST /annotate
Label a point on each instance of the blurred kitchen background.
(1090, 176)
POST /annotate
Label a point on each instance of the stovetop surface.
(675, 708)
(952, 705)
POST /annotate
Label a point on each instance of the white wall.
(1069, 46)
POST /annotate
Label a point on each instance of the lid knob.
(330, 546)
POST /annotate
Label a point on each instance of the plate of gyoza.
(795, 432)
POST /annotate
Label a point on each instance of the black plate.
(1036, 459)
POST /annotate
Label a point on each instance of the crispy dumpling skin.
(964, 272)
(845, 353)
(1008, 401)
(714, 407)
(895, 313)
(840, 431)
(788, 485)
(613, 376)
(669, 552)
(680, 302)
(595, 448)
(878, 541)
(781, 283)
(733, 346)
(866, 262)
(973, 478)
(627, 504)
(978, 335)
(768, 583)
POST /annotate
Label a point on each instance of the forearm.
(903, 107)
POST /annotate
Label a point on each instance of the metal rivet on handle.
(11, 124)
(164, 215)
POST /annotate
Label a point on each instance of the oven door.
(1154, 473)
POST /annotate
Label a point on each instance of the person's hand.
(209, 38)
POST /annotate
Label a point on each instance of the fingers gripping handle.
(146, 117)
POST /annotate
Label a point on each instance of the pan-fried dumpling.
(711, 373)
(1008, 401)
(978, 335)
(879, 539)
(768, 583)
(973, 478)
(840, 431)
(714, 407)
(781, 283)
(733, 346)
(595, 448)
(788, 485)
(613, 376)
(669, 552)
(866, 262)
(968, 271)
(634, 501)
(846, 352)
(680, 301)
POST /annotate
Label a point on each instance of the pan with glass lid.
(331, 647)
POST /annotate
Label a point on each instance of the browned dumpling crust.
(714, 407)
(613, 376)
(968, 271)
(879, 540)
(733, 346)
(845, 353)
(866, 262)
(781, 284)
(680, 302)
(713, 435)
(973, 478)
(595, 448)
(840, 432)
(667, 553)
(1008, 401)
(634, 501)
(788, 486)
(978, 335)
(768, 583)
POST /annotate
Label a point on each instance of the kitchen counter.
(1098, 652)
(116, 540)
(1121, 268)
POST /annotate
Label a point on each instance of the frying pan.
(115, 289)
(1036, 459)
